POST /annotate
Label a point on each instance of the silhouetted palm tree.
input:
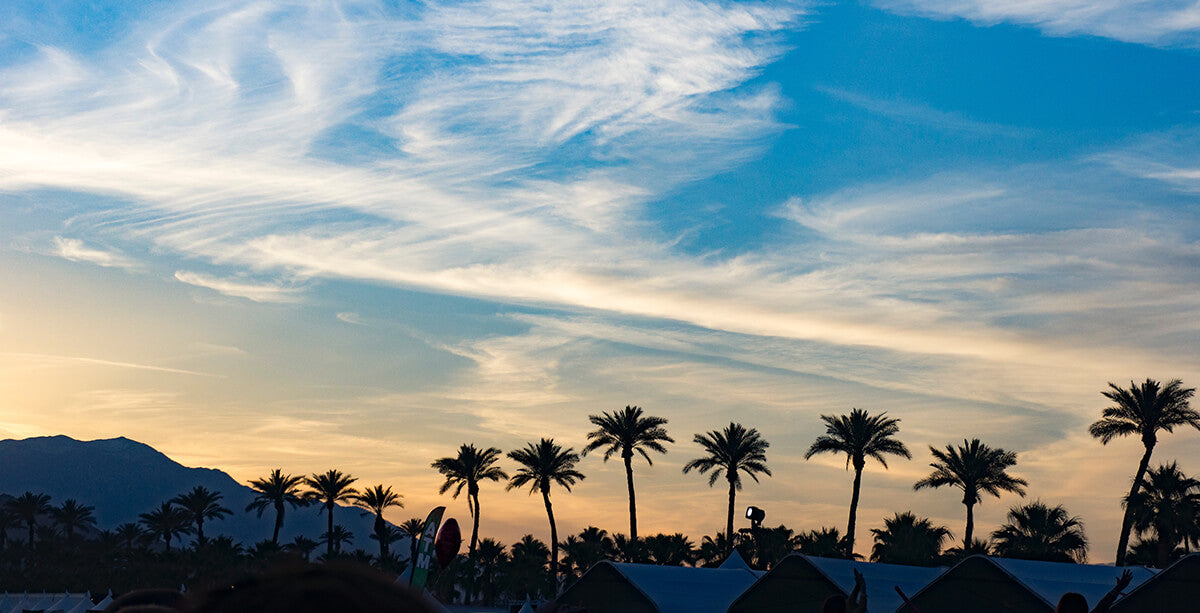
(730, 452)
(629, 549)
(823, 543)
(1143, 411)
(907, 539)
(489, 555)
(335, 538)
(978, 547)
(27, 508)
(625, 432)
(542, 464)
(974, 468)
(590, 546)
(670, 549)
(276, 491)
(201, 504)
(713, 550)
(167, 522)
(73, 516)
(1036, 531)
(330, 488)
(1168, 505)
(376, 500)
(414, 528)
(859, 435)
(303, 546)
(130, 535)
(467, 469)
(770, 545)
(527, 567)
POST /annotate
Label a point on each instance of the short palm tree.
(303, 546)
(276, 491)
(823, 543)
(859, 435)
(1168, 504)
(201, 504)
(1037, 531)
(130, 535)
(713, 550)
(335, 538)
(974, 468)
(907, 539)
(625, 432)
(541, 465)
(468, 469)
(330, 488)
(414, 528)
(73, 516)
(1143, 411)
(167, 522)
(27, 508)
(670, 549)
(376, 500)
(731, 452)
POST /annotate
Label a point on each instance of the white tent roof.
(735, 561)
(527, 607)
(103, 604)
(882, 579)
(682, 589)
(1050, 580)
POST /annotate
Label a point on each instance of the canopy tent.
(1176, 588)
(800, 583)
(57, 602)
(986, 585)
(613, 587)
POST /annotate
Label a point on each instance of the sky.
(356, 234)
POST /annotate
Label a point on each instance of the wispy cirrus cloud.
(75, 250)
(1139, 21)
(258, 292)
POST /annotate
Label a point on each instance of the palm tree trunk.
(379, 527)
(729, 515)
(199, 530)
(1127, 519)
(553, 540)
(31, 525)
(278, 522)
(628, 457)
(970, 526)
(853, 510)
(1165, 545)
(475, 523)
(329, 535)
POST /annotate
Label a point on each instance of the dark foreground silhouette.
(293, 588)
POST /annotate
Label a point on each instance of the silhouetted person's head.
(1072, 602)
(149, 601)
(313, 589)
(834, 604)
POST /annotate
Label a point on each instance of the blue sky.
(261, 233)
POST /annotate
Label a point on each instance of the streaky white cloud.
(258, 292)
(351, 318)
(921, 114)
(75, 250)
(58, 360)
(1139, 21)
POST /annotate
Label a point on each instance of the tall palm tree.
(543, 464)
(376, 500)
(168, 521)
(1168, 505)
(859, 435)
(73, 516)
(732, 451)
(1037, 531)
(625, 432)
(908, 539)
(330, 488)
(974, 468)
(276, 491)
(467, 469)
(201, 504)
(1143, 411)
(27, 508)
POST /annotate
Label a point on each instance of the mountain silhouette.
(123, 478)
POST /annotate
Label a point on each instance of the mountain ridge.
(123, 478)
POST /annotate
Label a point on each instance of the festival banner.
(420, 569)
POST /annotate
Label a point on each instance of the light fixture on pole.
(756, 516)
